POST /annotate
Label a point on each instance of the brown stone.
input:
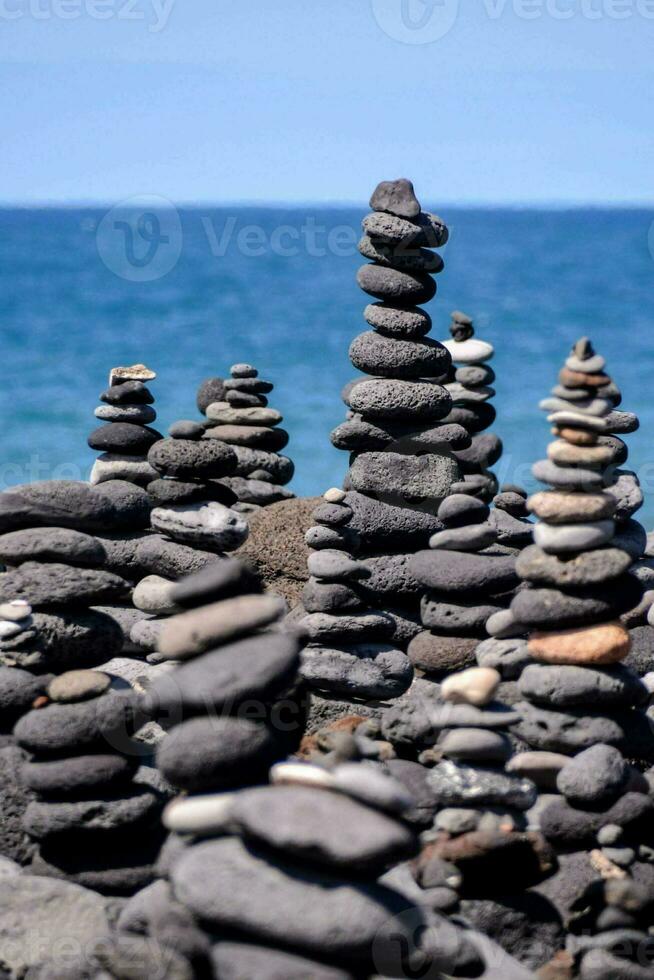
(442, 654)
(559, 507)
(560, 967)
(576, 379)
(566, 454)
(579, 437)
(606, 643)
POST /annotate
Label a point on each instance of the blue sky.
(480, 101)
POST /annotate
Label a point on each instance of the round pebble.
(78, 685)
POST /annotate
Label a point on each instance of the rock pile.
(125, 436)
(94, 824)
(242, 419)
(470, 389)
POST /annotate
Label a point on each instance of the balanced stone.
(594, 777)
(389, 357)
(603, 644)
(396, 197)
(52, 544)
(78, 685)
(190, 459)
(402, 400)
(209, 524)
(584, 568)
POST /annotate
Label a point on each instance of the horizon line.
(469, 204)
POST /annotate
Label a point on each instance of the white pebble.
(208, 813)
(15, 610)
(334, 495)
(302, 774)
(477, 686)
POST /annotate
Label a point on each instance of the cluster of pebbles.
(95, 824)
(126, 435)
(241, 418)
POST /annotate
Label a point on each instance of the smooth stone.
(129, 392)
(508, 656)
(474, 374)
(51, 584)
(224, 414)
(632, 538)
(476, 686)
(186, 429)
(596, 407)
(210, 524)
(493, 715)
(60, 728)
(567, 686)
(18, 691)
(584, 569)
(217, 753)
(123, 437)
(460, 394)
(458, 784)
(564, 454)
(627, 494)
(256, 492)
(334, 495)
(229, 885)
(136, 414)
(484, 451)
(79, 774)
(191, 633)
(441, 654)
(590, 365)
(411, 478)
(593, 778)
(118, 466)
(78, 685)
(211, 390)
(192, 458)
(471, 351)
(455, 820)
(573, 730)
(397, 197)
(474, 418)
(562, 538)
(395, 285)
(370, 784)
(396, 322)
(473, 538)
(603, 645)
(308, 826)
(359, 435)
(504, 625)
(152, 594)
(510, 502)
(253, 384)
(223, 579)
(302, 774)
(455, 618)
(542, 768)
(330, 565)
(621, 422)
(169, 492)
(572, 419)
(511, 531)
(235, 960)
(425, 231)
(578, 379)
(63, 503)
(568, 477)
(403, 400)
(203, 815)
(475, 744)
(57, 544)
(391, 357)
(351, 627)
(243, 399)
(460, 510)
(336, 538)
(15, 611)
(330, 597)
(463, 572)
(407, 260)
(552, 608)
(157, 555)
(44, 819)
(365, 670)
(280, 468)
(257, 437)
(60, 641)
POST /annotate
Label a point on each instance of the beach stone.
(568, 477)
(563, 687)
(233, 960)
(396, 197)
(57, 503)
(218, 680)
(390, 284)
(584, 569)
(308, 826)
(567, 732)
(159, 556)
(456, 619)
(396, 358)
(463, 572)
(51, 544)
(330, 597)
(366, 670)
(475, 537)
(475, 744)
(249, 460)
(396, 322)
(110, 467)
(17, 611)
(49, 910)
(18, 690)
(209, 525)
(622, 422)
(223, 413)
(627, 494)
(47, 584)
(59, 728)
(223, 579)
(331, 565)
(507, 656)
(49, 818)
(186, 429)
(217, 753)
(492, 715)
(386, 526)
(135, 414)
(458, 784)
(336, 538)
(191, 633)
(471, 351)
(461, 510)
(477, 686)
(127, 393)
(573, 537)
(192, 459)
(408, 260)
(78, 774)
(603, 644)
(78, 685)
(123, 437)
(542, 768)
(473, 417)
(441, 654)
(632, 538)
(425, 231)
(594, 777)
(510, 531)
(55, 641)
(563, 453)
(402, 400)
(256, 492)
(207, 814)
(152, 594)
(544, 608)
(255, 436)
(413, 478)
(346, 627)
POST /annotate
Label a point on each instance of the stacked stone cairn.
(125, 436)
(94, 824)
(242, 419)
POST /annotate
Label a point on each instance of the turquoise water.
(276, 287)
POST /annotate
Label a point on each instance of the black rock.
(107, 721)
(210, 391)
(234, 960)
(61, 641)
(167, 493)
(396, 197)
(571, 686)
(186, 429)
(123, 437)
(553, 608)
(192, 459)
(220, 580)
(110, 812)
(18, 690)
(128, 393)
(581, 569)
(77, 774)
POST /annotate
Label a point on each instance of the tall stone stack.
(126, 435)
(243, 420)
(467, 583)
(471, 389)
(93, 823)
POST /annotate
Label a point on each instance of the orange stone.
(577, 379)
(606, 643)
(578, 437)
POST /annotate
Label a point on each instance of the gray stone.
(396, 197)
(509, 657)
(397, 322)
(568, 477)
(426, 230)
(233, 961)
(457, 784)
(401, 400)
(248, 460)
(465, 619)
(346, 627)
(366, 670)
(554, 609)
(83, 774)
(193, 632)
(395, 285)
(388, 357)
(210, 525)
(59, 503)
(408, 260)
(52, 544)
(571, 686)
(59, 728)
(123, 437)
(47, 818)
(332, 565)
(461, 510)
(391, 524)
(51, 584)
(402, 477)
(594, 777)
(78, 685)
(157, 555)
(464, 572)
(62, 641)
(475, 537)
(572, 537)
(136, 414)
(192, 459)
(586, 568)
(475, 744)
(627, 494)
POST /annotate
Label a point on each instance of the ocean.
(191, 291)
